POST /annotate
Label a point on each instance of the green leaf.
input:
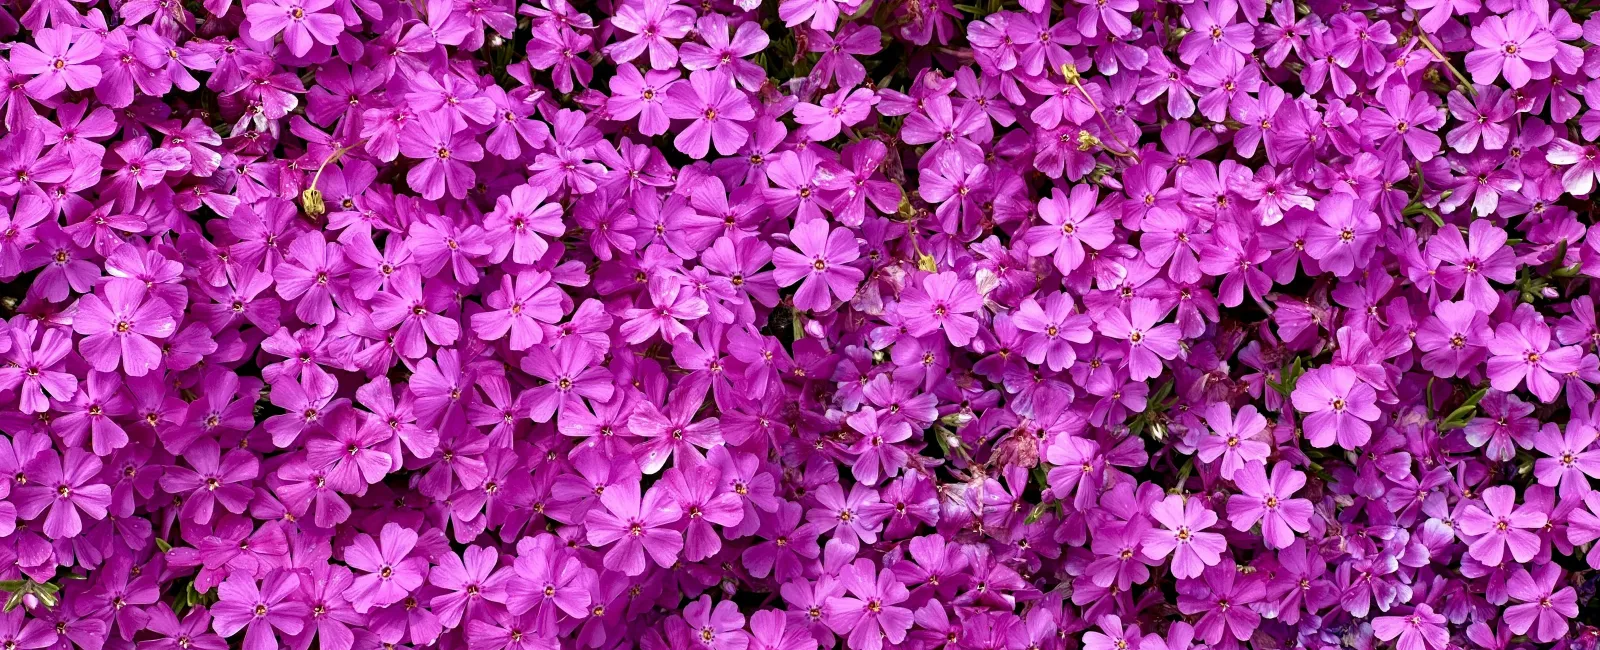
(163, 545)
(13, 586)
(1463, 414)
(1034, 515)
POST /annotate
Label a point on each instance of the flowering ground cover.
(799, 325)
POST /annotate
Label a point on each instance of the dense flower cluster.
(799, 325)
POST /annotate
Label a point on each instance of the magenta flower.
(822, 265)
(1422, 629)
(1509, 45)
(721, 628)
(62, 57)
(34, 367)
(391, 573)
(1270, 504)
(652, 23)
(1054, 328)
(64, 486)
(1503, 526)
(836, 111)
(870, 614)
(697, 490)
(1521, 349)
(444, 154)
(716, 107)
(300, 21)
(671, 303)
(942, 303)
(1338, 407)
(522, 306)
(634, 527)
(118, 322)
(877, 453)
(1569, 460)
(1070, 224)
(214, 479)
(407, 306)
(1148, 343)
(261, 612)
(1192, 549)
(643, 96)
(1236, 440)
(1454, 339)
(1474, 264)
(1544, 609)
(1345, 233)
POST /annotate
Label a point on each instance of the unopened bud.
(311, 203)
(1070, 71)
(1087, 141)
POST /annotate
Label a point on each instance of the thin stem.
(1460, 78)
(333, 158)
(1071, 74)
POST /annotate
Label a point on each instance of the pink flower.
(1269, 503)
(942, 303)
(1069, 225)
(118, 323)
(519, 307)
(634, 527)
(1544, 609)
(837, 110)
(391, 572)
(822, 263)
(444, 153)
(871, 613)
(1508, 45)
(300, 21)
(62, 57)
(652, 23)
(63, 486)
(1237, 441)
(1192, 550)
(877, 453)
(1148, 343)
(1504, 525)
(1338, 407)
(1422, 629)
(717, 108)
(1521, 349)
(262, 612)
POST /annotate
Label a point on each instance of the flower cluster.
(800, 324)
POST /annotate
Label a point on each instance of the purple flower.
(63, 486)
(716, 107)
(1183, 536)
(1070, 224)
(870, 614)
(62, 57)
(635, 526)
(1270, 503)
(652, 23)
(1338, 407)
(1503, 526)
(1509, 44)
(261, 612)
(300, 21)
(822, 265)
(1148, 343)
(1422, 629)
(118, 323)
(1234, 439)
(1542, 605)
(391, 573)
